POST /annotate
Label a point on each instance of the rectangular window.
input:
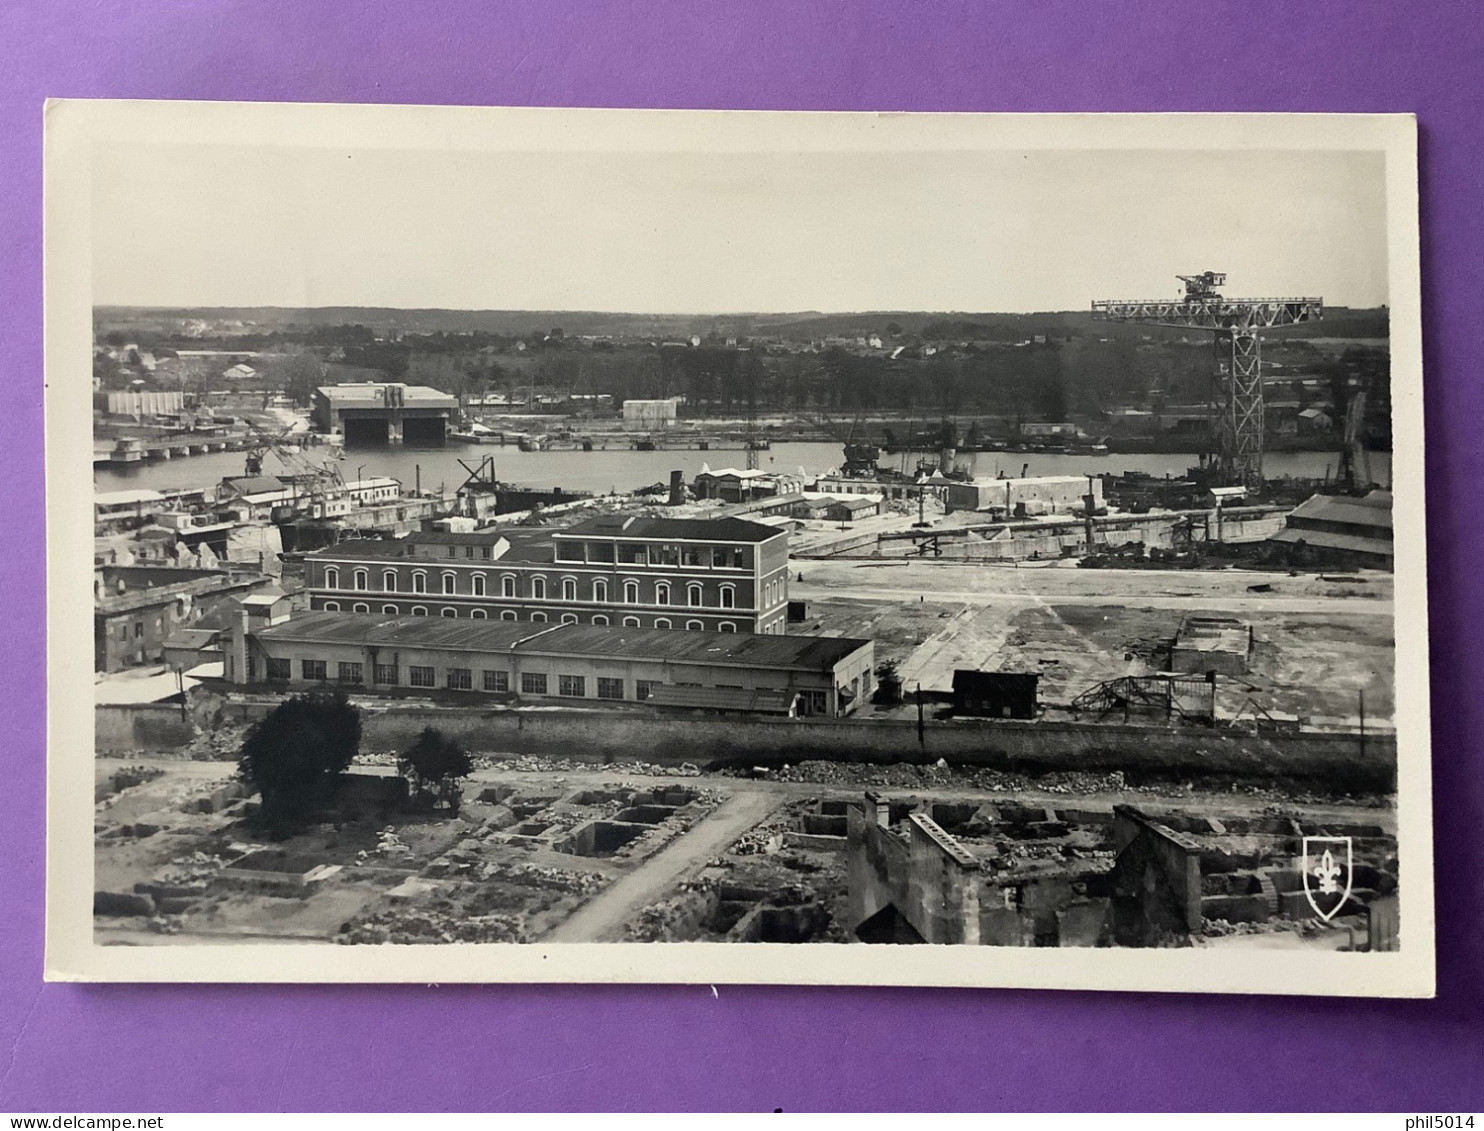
(497, 681)
(610, 688)
(312, 669)
(644, 688)
(568, 551)
(349, 672)
(279, 671)
(629, 554)
(459, 679)
(532, 683)
(420, 677)
(600, 551)
(574, 685)
(692, 555)
(738, 557)
(385, 674)
(484, 552)
(138, 629)
(678, 683)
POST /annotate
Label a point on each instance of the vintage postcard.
(597, 545)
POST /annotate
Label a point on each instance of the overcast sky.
(717, 232)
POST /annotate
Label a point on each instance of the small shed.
(999, 695)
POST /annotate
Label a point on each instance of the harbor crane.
(1237, 408)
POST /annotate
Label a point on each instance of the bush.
(435, 765)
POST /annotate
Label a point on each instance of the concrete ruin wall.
(1034, 747)
(876, 866)
(1159, 868)
(943, 885)
(931, 879)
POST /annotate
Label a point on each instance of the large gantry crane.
(1237, 410)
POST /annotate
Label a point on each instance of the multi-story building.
(135, 608)
(720, 575)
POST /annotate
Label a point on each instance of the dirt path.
(603, 917)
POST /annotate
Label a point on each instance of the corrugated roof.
(255, 484)
(126, 498)
(1372, 510)
(680, 529)
(594, 641)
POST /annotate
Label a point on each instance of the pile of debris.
(389, 846)
(196, 869)
(128, 777)
(562, 880)
(220, 744)
(1218, 928)
(538, 764)
(762, 840)
(428, 926)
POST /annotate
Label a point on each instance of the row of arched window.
(695, 594)
(536, 617)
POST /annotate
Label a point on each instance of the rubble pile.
(430, 926)
(536, 763)
(561, 880)
(902, 775)
(375, 758)
(220, 744)
(1219, 928)
(194, 869)
(109, 790)
(389, 846)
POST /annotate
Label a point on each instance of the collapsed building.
(1020, 875)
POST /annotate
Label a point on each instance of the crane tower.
(1237, 403)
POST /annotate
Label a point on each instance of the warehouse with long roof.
(568, 664)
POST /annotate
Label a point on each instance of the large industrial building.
(377, 414)
(1342, 530)
(1020, 498)
(719, 575)
(557, 663)
(650, 416)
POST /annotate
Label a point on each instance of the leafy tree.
(436, 764)
(295, 754)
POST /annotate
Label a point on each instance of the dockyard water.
(622, 471)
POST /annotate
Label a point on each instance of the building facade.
(376, 414)
(136, 608)
(1043, 494)
(717, 575)
(550, 663)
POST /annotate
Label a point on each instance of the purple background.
(146, 1049)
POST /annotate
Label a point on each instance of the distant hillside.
(1339, 322)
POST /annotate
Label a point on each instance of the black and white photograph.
(897, 549)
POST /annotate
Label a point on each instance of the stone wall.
(1003, 744)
